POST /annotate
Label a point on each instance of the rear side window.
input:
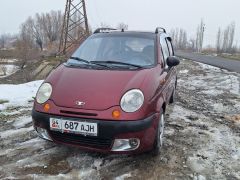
(170, 47)
(165, 50)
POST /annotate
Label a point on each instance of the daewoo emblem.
(80, 103)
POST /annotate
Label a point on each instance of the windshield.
(129, 50)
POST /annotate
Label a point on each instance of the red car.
(111, 95)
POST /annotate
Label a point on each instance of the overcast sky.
(138, 14)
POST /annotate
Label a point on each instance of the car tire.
(158, 142)
(172, 98)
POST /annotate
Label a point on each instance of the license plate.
(76, 127)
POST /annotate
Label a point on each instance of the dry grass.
(234, 57)
(235, 118)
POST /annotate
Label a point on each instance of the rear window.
(127, 49)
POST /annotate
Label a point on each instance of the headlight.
(132, 100)
(44, 93)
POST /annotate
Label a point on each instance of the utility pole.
(75, 26)
(202, 35)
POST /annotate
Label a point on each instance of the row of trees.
(42, 33)
(5, 40)
(42, 30)
(180, 38)
(200, 36)
(181, 41)
(224, 39)
(40, 36)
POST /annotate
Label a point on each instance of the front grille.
(78, 113)
(81, 140)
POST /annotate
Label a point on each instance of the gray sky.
(138, 14)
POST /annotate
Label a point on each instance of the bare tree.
(219, 41)
(122, 26)
(225, 39)
(231, 37)
(104, 25)
(2, 41)
(34, 28)
(26, 50)
(52, 23)
(200, 36)
(44, 29)
(179, 38)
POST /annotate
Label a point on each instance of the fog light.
(125, 144)
(42, 133)
(133, 142)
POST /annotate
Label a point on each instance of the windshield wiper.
(79, 59)
(117, 62)
(88, 62)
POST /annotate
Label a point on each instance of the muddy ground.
(202, 138)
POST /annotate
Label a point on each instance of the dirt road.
(202, 138)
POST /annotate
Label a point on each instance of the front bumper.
(108, 131)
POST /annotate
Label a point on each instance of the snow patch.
(183, 114)
(18, 95)
(9, 69)
(213, 83)
(200, 177)
(21, 122)
(209, 67)
(15, 132)
(124, 176)
(184, 71)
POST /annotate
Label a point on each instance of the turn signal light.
(46, 107)
(116, 114)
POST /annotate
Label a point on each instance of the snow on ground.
(8, 60)
(202, 136)
(214, 85)
(14, 132)
(22, 121)
(18, 95)
(8, 69)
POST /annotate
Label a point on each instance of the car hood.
(97, 89)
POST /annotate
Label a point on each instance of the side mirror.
(172, 61)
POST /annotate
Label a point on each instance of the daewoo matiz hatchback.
(111, 95)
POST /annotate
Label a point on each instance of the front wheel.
(158, 143)
(172, 98)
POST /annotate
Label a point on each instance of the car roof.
(143, 34)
